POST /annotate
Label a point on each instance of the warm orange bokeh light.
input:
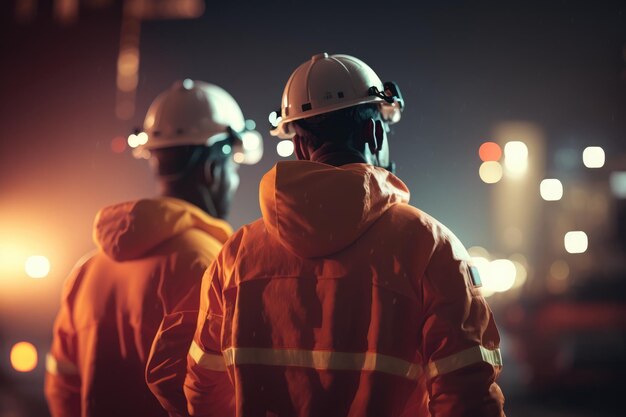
(23, 357)
(490, 151)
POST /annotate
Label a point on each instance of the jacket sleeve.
(208, 387)
(179, 292)
(460, 341)
(62, 386)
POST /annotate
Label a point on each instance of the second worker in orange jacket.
(128, 311)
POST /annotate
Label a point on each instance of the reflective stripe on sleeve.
(464, 358)
(56, 366)
(209, 361)
(323, 360)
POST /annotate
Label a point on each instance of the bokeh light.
(188, 84)
(23, 357)
(551, 189)
(502, 274)
(133, 140)
(478, 252)
(559, 269)
(566, 159)
(250, 124)
(251, 140)
(127, 69)
(618, 184)
(252, 147)
(37, 266)
(118, 144)
(489, 151)
(521, 274)
(490, 172)
(557, 284)
(593, 157)
(274, 118)
(142, 138)
(239, 157)
(516, 158)
(499, 275)
(285, 148)
(576, 241)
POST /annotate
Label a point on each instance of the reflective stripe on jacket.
(342, 300)
(143, 281)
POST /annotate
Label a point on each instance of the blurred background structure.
(514, 136)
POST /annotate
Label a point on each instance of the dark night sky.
(462, 69)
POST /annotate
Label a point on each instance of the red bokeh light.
(490, 151)
(118, 144)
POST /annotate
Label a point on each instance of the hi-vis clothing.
(342, 300)
(143, 281)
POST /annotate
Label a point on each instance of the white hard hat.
(331, 82)
(198, 113)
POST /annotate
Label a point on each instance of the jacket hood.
(129, 230)
(315, 209)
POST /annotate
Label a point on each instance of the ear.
(369, 135)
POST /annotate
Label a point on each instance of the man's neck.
(337, 155)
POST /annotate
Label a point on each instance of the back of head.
(341, 127)
(176, 163)
(338, 102)
(195, 135)
(338, 137)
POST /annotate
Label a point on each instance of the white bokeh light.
(490, 172)
(37, 266)
(285, 148)
(576, 241)
(551, 189)
(593, 157)
(502, 274)
(133, 140)
(188, 84)
(516, 158)
(251, 140)
(142, 138)
(274, 118)
(521, 273)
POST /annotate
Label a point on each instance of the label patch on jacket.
(473, 271)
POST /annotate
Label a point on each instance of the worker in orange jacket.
(343, 300)
(126, 309)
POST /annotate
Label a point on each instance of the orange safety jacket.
(342, 300)
(143, 281)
